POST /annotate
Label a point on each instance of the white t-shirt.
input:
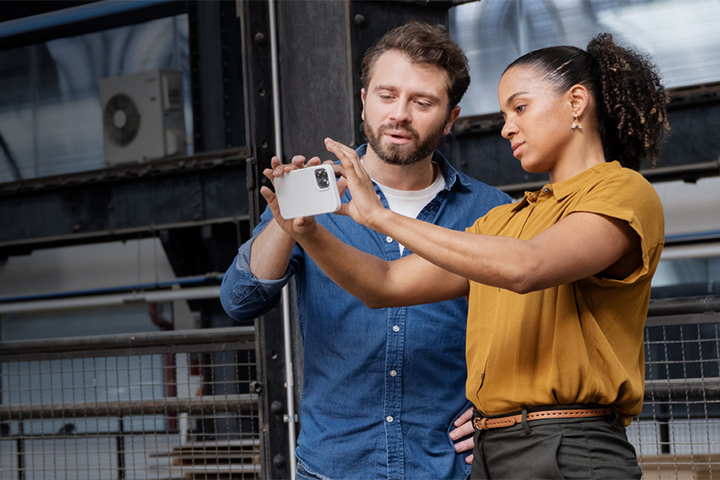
(411, 202)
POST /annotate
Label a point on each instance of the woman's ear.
(579, 99)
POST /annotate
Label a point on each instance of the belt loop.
(526, 427)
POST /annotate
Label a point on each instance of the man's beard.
(394, 154)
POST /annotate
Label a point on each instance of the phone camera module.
(321, 178)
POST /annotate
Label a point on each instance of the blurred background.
(131, 137)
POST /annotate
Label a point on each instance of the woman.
(558, 284)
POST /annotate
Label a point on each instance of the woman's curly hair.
(631, 101)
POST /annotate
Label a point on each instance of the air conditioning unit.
(143, 117)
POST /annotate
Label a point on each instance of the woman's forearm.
(376, 282)
(498, 261)
(357, 272)
(578, 246)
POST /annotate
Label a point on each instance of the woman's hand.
(365, 207)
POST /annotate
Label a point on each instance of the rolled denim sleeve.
(244, 296)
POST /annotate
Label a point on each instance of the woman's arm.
(580, 245)
(410, 280)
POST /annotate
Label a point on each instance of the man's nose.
(401, 113)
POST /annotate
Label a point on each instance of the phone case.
(307, 191)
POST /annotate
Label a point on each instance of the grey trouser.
(590, 449)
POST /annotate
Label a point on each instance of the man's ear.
(454, 114)
(362, 97)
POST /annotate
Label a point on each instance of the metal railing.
(677, 435)
(164, 405)
(184, 404)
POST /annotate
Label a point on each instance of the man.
(381, 388)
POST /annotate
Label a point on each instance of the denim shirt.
(382, 387)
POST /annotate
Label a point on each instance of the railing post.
(121, 448)
(21, 452)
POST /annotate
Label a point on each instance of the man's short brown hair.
(427, 44)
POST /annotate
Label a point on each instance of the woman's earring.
(576, 124)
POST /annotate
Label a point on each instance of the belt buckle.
(480, 423)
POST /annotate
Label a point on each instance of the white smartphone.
(307, 191)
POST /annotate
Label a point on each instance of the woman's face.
(538, 119)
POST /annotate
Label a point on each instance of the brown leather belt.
(485, 423)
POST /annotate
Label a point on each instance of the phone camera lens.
(321, 177)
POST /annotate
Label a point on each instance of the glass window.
(690, 263)
(50, 113)
(681, 35)
(688, 271)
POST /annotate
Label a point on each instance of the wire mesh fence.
(175, 405)
(184, 405)
(677, 435)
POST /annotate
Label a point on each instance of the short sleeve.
(629, 197)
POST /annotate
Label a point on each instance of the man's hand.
(279, 169)
(463, 428)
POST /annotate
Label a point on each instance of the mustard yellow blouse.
(575, 343)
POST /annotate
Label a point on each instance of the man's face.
(405, 109)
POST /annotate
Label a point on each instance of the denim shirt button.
(389, 418)
(393, 373)
(388, 239)
(396, 328)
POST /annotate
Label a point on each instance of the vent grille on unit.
(143, 117)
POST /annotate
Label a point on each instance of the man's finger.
(464, 446)
(268, 194)
(465, 417)
(462, 431)
(298, 160)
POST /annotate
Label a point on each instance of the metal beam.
(92, 17)
(224, 339)
(151, 296)
(166, 406)
(123, 202)
(687, 305)
(690, 151)
(684, 310)
(678, 389)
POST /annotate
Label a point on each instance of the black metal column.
(216, 75)
(275, 445)
(321, 44)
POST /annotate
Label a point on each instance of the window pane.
(50, 113)
(681, 35)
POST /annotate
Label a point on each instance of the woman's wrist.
(380, 220)
(307, 234)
